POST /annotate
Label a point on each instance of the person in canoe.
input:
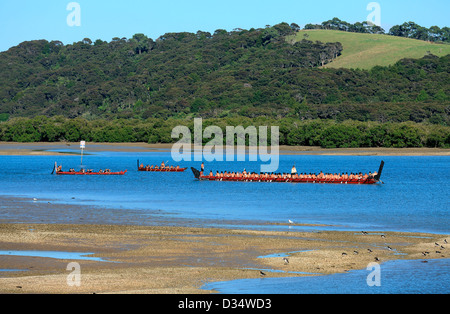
(293, 170)
(163, 165)
(202, 167)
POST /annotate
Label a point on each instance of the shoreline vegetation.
(155, 259)
(292, 132)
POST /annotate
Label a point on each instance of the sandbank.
(155, 259)
(64, 148)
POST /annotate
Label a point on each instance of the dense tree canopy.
(317, 132)
(143, 78)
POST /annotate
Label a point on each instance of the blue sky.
(22, 20)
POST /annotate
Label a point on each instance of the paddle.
(54, 167)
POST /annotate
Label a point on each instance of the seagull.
(344, 254)
(286, 261)
(442, 247)
(377, 259)
(35, 199)
(445, 241)
(424, 253)
(369, 250)
(290, 221)
(261, 273)
(356, 252)
(436, 244)
(438, 252)
(383, 236)
(364, 232)
(389, 248)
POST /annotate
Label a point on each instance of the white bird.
(290, 221)
(286, 261)
(35, 199)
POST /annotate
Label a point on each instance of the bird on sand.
(369, 250)
(285, 260)
(261, 273)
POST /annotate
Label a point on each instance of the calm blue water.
(396, 277)
(53, 254)
(415, 196)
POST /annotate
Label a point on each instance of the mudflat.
(61, 148)
(155, 259)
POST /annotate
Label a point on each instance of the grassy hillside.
(365, 51)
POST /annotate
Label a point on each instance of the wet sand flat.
(149, 259)
(60, 148)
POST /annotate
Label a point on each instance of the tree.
(141, 43)
(295, 27)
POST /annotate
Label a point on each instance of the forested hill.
(248, 73)
(177, 73)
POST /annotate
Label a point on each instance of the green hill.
(365, 51)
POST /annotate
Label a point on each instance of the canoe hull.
(71, 173)
(162, 170)
(372, 180)
(368, 181)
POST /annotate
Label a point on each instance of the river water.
(415, 196)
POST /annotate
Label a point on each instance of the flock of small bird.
(425, 253)
(369, 250)
(440, 246)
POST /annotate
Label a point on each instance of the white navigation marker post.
(82, 146)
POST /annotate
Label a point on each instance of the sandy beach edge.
(64, 148)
